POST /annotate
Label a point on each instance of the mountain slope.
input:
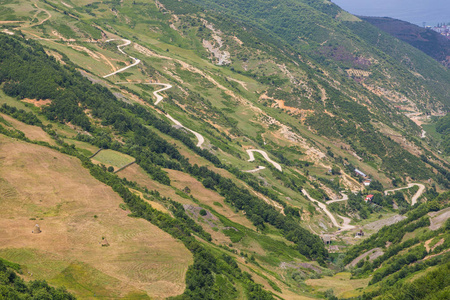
(426, 40)
(227, 132)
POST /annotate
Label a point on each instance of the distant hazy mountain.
(426, 40)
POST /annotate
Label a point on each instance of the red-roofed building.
(369, 198)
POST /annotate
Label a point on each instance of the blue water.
(417, 12)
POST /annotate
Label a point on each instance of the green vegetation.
(433, 286)
(12, 286)
(297, 78)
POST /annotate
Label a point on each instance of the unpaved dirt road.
(346, 224)
(344, 198)
(119, 47)
(416, 195)
(266, 157)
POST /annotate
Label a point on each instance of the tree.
(335, 170)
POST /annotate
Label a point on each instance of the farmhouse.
(368, 198)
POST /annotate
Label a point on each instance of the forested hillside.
(203, 149)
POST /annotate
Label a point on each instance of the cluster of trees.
(12, 286)
(367, 141)
(20, 114)
(444, 176)
(402, 259)
(28, 72)
(431, 286)
(413, 255)
(393, 233)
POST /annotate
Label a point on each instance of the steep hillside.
(76, 215)
(213, 151)
(426, 40)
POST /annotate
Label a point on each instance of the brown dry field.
(341, 284)
(34, 133)
(206, 196)
(38, 182)
(180, 180)
(136, 173)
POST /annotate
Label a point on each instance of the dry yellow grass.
(341, 284)
(206, 196)
(136, 173)
(180, 180)
(75, 211)
(34, 133)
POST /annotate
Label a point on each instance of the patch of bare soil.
(86, 50)
(242, 83)
(427, 244)
(373, 254)
(66, 5)
(56, 55)
(61, 37)
(437, 219)
(11, 22)
(358, 73)
(222, 57)
(8, 31)
(36, 102)
(377, 225)
(292, 110)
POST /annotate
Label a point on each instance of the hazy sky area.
(413, 11)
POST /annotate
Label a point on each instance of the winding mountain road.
(344, 198)
(119, 47)
(266, 157)
(159, 98)
(199, 137)
(345, 225)
(259, 168)
(416, 195)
